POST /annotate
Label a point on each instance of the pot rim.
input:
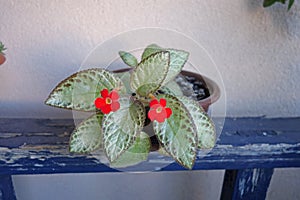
(214, 89)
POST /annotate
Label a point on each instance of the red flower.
(109, 101)
(158, 110)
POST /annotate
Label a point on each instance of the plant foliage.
(180, 124)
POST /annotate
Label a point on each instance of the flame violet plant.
(122, 104)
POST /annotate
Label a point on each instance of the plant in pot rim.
(2, 55)
(124, 106)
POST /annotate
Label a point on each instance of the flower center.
(108, 101)
(158, 110)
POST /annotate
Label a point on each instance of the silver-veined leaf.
(152, 70)
(79, 91)
(172, 88)
(137, 153)
(120, 129)
(138, 113)
(177, 60)
(177, 134)
(205, 127)
(87, 136)
(147, 89)
(125, 78)
(151, 49)
(128, 59)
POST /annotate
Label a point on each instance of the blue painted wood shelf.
(246, 146)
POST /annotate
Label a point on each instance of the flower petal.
(115, 106)
(106, 109)
(152, 114)
(99, 102)
(163, 102)
(160, 117)
(153, 102)
(169, 112)
(104, 93)
(114, 95)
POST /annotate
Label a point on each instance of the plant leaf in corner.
(205, 127)
(87, 136)
(137, 153)
(128, 59)
(79, 91)
(119, 130)
(177, 134)
(152, 70)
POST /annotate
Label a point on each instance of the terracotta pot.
(212, 86)
(2, 58)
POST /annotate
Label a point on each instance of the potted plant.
(2, 55)
(149, 93)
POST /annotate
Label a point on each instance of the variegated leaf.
(152, 70)
(128, 59)
(125, 78)
(137, 153)
(87, 136)
(151, 49)
(205, 127)
(177, 134)
(119, 130)
(79, 91)
(138, 113)
(172, 88)
(177, 60)
(147, 89)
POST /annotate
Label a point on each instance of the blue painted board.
(36, 146)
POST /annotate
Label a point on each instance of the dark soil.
(192, 87)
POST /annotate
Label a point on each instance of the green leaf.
(268, 3)
(172, 88)
(152, 70)
(125, 78)
(151, 49)
(177, 134)
(137, 153)
(87, 136)
(137, 113)
(120, 130)
(291, 2)
(2, 48)
(205, 127)
(79, 91)
(146, 89)
(177, 60)
(128, 59)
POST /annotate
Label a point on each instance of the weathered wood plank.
(32, 146)
(246, 184)
(7, 191)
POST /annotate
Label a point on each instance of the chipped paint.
(252, 183)
(43, 145)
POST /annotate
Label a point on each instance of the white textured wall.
(257, 51)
